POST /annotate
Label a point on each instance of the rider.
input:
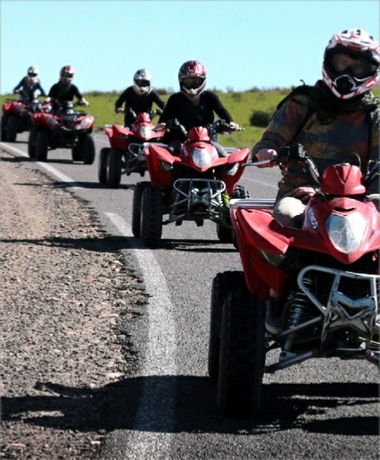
(29, 85)
(193, 105)
(65, 90)
(138, 98)
(337, 115)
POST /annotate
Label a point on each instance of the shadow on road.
(115, 406)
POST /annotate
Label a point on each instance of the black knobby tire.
(102, 165)
(88, 149)
(240, 192)
(32, 142)
(242, 353)
(222, 285)
(136, 208)
(42, 144)
(12, 128)
(76, 154)
(225, 234)
(113, 168)
(151, 216)
(4, 123)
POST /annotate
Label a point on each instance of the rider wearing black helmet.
(138, 98)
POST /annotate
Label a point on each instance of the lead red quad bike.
(193, 184)
(64, 128)
(329, 269)
(125, 154)
(17, 116)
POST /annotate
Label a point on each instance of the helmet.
(32, 74)
(142, 79)
(192, 78)
(66, 74)
(351, 63)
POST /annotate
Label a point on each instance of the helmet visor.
(192, 82)
(142, 83)
(32, 74)
(358, 66)
(67, 74)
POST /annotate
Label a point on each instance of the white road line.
(156, 407)
(49, 168)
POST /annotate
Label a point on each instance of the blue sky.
(264, 44)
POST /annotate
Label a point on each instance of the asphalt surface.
(318, 409)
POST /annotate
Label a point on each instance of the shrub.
(260, 118)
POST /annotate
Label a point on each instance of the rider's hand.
(304, 193)
(48, 99)
(119, 110)
(233, 126)
(16, 91)
(84, 102)
(266, 155)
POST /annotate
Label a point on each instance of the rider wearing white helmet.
(29, 85)
(336, 116)
(65, 90)
(138, 98)
(193, 105)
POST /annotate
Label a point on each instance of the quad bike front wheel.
(242, 353)
(113, 175)
(42, 144)
(136, 207)
(88, 149)
(12, 128)
(102, 165)
(32, 142)
(151, 216)
(4, 123)
(222, 285)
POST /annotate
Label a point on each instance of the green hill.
(241, 105)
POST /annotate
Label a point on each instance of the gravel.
(67, 297)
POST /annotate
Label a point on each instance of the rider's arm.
(218, 107)
(120, 100)
(157, 99)
(20, 85)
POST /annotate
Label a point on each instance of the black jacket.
(60, 93)
(138, 103)
(182, 108)
(28, 90)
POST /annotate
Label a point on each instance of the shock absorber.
(299, 310)
(177, 195)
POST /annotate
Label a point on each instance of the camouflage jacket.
(330, 131)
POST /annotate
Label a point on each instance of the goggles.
(67, 75)
(142, 83)
(359, 66)
(192, 82)
(32, 74)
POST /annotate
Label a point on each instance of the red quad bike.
(65, 128)
(125, 154)
(329, 269)
(17, 116)
(194, 185)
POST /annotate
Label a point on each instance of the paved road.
(319, 409)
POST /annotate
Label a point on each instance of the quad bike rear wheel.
(42, 144)
(102, 165)
(222, 285)
(136, 208)
(151, 216)
(12, 128)
(242, 353)
(113, 175)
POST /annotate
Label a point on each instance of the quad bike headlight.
(201, 157)
(86, 122)
(145, 132)
(166, 166)
(346, 232)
